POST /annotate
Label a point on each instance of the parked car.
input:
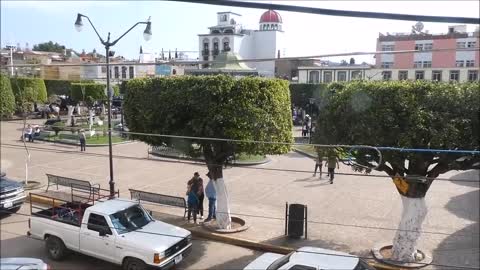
(12, 195)
(22, 264)
(118, 231)
(309, 258)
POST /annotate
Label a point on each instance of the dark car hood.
(7, 184)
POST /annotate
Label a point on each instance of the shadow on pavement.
(301, 242)
(472, 175)
(236, 264)
(462, 248)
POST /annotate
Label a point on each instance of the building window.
(403, 75)
(386, 75)
(427, 64)
(130, 72)
(460, 45)
(418, 47)
(356, 75)
(470, 63)
(103, 69)
(454, 75)
(417, 64)
(223, 18)
(314, 77)
(226, 45)
(419, 75)
(387, 64)
(327, 76)
(427, 46)
(436, 75)
(472, 75)
(388, 48)
(342, 76)
(117, 74)
(459, 63)
(124, 72)
(471, 44)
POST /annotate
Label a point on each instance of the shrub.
(57, 127)
(7, 99)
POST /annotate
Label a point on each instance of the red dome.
(271, 16)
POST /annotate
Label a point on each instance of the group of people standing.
(196, 194)
(30, 133)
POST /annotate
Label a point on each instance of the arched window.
(215, 31)
(117, 73)
(216, 46)
(226, 44)
(314, 77)
(124, 72)
(131, 72)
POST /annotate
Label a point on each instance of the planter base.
(32, 185)
(238, 225)
(383, 253)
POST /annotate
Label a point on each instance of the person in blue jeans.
(212, 198)
(192, 200)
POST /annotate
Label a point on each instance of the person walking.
(212, 198)
(332, 162)
(83, 140)
(318, 165)
(192, 197)
(201, 196)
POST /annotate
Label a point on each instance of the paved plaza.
(352, 215)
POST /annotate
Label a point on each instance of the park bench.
(93, 189)
(159, 199)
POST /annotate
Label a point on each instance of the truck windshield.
(130, 219)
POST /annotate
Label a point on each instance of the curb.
(236, 164)
(303, 153)
(78, 144)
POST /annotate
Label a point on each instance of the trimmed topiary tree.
(405, 114)
(28, 91)
(247, 109)
(7, 99)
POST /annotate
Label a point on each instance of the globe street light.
(147, 35)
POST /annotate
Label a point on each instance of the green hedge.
(250, 108)
(27, 91)
(7, 99)
(93, 92)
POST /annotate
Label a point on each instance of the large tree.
(405, 114)
(246, 109)
(28, 91)
(49, 47)
(7, 99)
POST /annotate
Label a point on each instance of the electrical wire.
(198, 62)
(302, 251)
(173, 160)
(333, 12)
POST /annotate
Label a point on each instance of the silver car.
(23, 264)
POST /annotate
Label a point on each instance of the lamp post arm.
(101, 39)
(115, 41)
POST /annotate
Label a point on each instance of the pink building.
(460, 62)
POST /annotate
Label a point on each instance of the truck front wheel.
(133, 264)
(56, 248)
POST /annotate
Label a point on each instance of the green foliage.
(7, 99)
(49, 47)
(61, 87)
(28, 91)
(220, 106)
(57, 127)
(405, 114)
(90, 92)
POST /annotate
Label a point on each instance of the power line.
(33, 148)
(333, 12)
(310, 252)
(199, 62)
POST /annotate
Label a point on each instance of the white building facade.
(229, 36)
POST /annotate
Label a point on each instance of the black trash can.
(296, 218)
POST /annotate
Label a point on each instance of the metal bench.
(159, 199)
(73, 183)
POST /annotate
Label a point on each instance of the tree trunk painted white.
(79, 112)
(405, 241)
(224, 220)
(69, 115)
(90, 119)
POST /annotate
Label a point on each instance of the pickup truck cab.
(117, 230)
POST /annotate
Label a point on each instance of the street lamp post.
(147, 34)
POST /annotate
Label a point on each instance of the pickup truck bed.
(70, 213)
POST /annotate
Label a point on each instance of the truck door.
(97, 239)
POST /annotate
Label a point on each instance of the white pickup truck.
(118, 231)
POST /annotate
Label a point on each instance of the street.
(204, 255)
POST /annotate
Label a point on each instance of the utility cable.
(309, 252)
(334, 12)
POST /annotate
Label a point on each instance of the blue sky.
(176, 25)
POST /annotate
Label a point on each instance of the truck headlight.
(158, 258)
(189, 238)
